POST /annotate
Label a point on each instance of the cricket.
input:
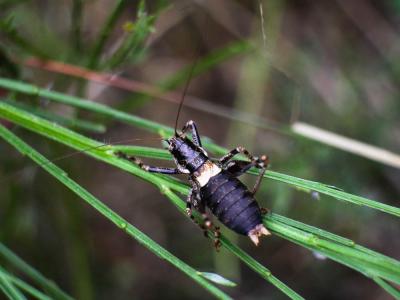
(215, 184)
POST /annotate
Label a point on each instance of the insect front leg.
(195, 134)
(258, 162)
(148, 168)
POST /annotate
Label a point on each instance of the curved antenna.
(184, 92)
(68, 155)
(99, 146)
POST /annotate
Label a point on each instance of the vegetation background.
(332, 64)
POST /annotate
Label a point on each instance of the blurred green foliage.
(331, 64)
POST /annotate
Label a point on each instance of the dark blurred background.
(332, 64)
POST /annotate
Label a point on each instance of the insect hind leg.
(258, 162)
(208, 225)
(205, 224)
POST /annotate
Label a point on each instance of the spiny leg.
(191, 198)
(206, 224)
(209, 226)
(195, 134)
(148, 168)
(258, 162)
(227, 157)
(189, 201)
(239, 167)
(262, 166)
(217, 236)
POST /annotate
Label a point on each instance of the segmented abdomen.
(231, 202)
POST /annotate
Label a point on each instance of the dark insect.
(215, 184)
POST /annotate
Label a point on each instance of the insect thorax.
(187, 154)
(205, 172)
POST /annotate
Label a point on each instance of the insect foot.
(217, 242)
(258, 231)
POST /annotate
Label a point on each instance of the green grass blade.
(295, 181)
(84, 104)
(339, 250)
(9, 289)
(68, 122)
(165, 130)
(24, 286)
(312, 229)
(108, 213)
(243, 256)
(337, 194)
(81, 142)
(206, 63)
(35, 275)
(387, 287)
(368, 262)
(372, 263)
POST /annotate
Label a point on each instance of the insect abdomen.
(232, 203)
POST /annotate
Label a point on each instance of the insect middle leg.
(258, 162)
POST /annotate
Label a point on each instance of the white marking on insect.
(207, 170)
(256, 232)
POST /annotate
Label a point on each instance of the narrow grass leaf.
(388, 288)
(206, 63)
(371, 263)
(107, 212)
(80, 142)
(242, 255)
(35, 275)
(312, 229)
(68, 122)
(85, 104)
(339, 249)
(9, 289)
(218, 279)
(165, 130)
(24, 286)
(333, 192)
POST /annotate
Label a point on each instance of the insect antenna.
(68, 155)
(185, 91)
(100, 146)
